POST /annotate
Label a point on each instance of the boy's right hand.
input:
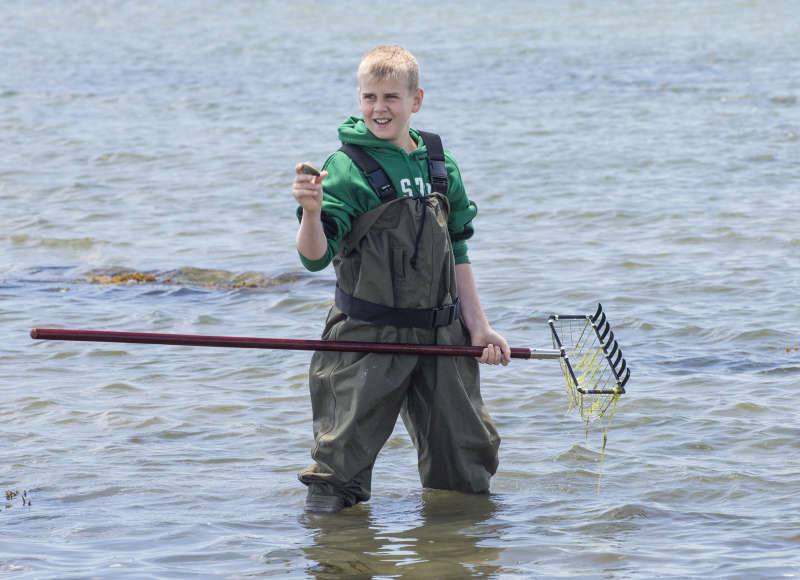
(307, 189)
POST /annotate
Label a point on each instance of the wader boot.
(396, 283)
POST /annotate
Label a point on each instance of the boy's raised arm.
(307, 191)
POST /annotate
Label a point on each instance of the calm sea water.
(645, 155)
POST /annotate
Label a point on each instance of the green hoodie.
(347, 194)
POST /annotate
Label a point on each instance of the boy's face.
(387, 105)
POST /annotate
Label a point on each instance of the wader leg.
(456, 441)
(355, 399)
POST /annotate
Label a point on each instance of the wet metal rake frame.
(592, 350)
(595, 373)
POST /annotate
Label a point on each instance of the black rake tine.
(600, 321)
(619, 357)
(625, 380)
(602, 335)
(598, 312)
(622, 368)
(610, 341)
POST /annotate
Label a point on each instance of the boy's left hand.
(497, 350)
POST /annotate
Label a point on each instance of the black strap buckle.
(438, 174)
(445, 315)
(381, 185)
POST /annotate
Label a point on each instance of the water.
(640, 154)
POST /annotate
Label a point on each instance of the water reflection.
(435, 534)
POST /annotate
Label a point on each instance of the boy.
(394, 218)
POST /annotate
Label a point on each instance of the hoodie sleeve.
(345, 196)
(462, 211)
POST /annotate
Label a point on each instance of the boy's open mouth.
(382, 122)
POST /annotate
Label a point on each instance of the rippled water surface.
(645, 155)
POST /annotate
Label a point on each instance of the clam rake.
(595, 372)
(591, 360)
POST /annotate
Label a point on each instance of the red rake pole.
(277, 343)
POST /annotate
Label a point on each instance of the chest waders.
(396, 283)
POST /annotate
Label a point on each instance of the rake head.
(594, 370)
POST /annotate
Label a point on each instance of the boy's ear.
(417, 100)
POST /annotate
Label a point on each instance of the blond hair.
(390, 62)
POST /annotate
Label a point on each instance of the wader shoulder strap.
(380, 182)
(436, 167)
(374, 173)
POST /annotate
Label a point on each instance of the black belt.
(404, 317)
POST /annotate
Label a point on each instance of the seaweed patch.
(206, 278)
(123, 278)
(14, 496)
